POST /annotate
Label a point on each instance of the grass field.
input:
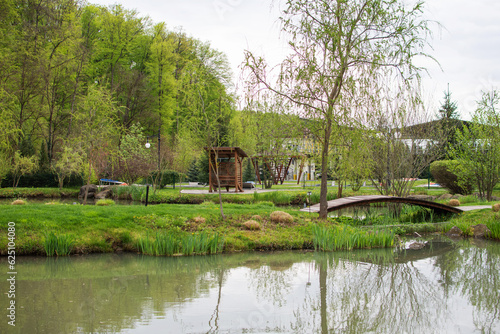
(192, 228)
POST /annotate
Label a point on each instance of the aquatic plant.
(105, 202)
(169, 244)
(347, 238)
(58, 245)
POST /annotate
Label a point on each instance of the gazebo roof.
(227, 151)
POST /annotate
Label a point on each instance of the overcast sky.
(467, 46)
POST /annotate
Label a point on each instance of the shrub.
(105, 202)
(19, 202)
(454, 202)
(251, 225)
(452, 175)
(199, 220)
(257, 218)
(496, 207)
(281, 217)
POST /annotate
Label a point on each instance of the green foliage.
(192, 174)
(479, 145)
(248, 171)
(168, 177)
(203, 167)
(43, 179)
(448, 172)
(22, 165)
(329, 74)
(70, 162)
(57, 245)
(348, 238)
(105, 202)
(134, 160)
(187, 244)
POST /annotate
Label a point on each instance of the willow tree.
(337, 48)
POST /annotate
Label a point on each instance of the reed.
(165, 244)
(348, 238)
(57, 245)
(494, 227)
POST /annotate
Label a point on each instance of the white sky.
(467, 47)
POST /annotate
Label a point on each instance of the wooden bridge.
(345, 202)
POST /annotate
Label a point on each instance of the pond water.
(447, 287)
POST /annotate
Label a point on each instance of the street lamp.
(148, 145)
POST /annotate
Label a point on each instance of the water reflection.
(444, 288)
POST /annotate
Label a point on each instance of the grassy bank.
(157, 230)
(168, 229)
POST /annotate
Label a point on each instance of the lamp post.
(148, 145)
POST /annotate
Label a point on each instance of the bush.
(105, 202)
(251, 225)
(19, 202)
(454, 202)
(496, 207)
(281, 217)
(42, 179)
(447, 174)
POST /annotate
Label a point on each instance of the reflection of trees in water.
(358, 297)
(474, 272)
(272, 283)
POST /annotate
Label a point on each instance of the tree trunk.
(323, 202)
(88, 185)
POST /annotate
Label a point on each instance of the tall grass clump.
(105, 202)
(347, 238)
(193, 244)
(130, 192)
(58, 245)
(494, 227)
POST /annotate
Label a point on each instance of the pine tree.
(248, 172)
(449, 122)
(193, 172)
(449, 108)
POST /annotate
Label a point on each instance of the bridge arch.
(345, 202)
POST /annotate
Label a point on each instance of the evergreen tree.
(203, 168)
(248, 172)
(450, 123)
(193, 172)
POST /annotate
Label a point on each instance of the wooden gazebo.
(228, 161)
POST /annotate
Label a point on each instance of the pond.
(446, 287)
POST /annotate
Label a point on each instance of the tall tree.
(338, 48)
(98, 128)
(448, 117)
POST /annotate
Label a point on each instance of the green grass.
(334, 238)
(57, 245)
(105, 202)
(152, 229)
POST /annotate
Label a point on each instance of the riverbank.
(104, 229)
